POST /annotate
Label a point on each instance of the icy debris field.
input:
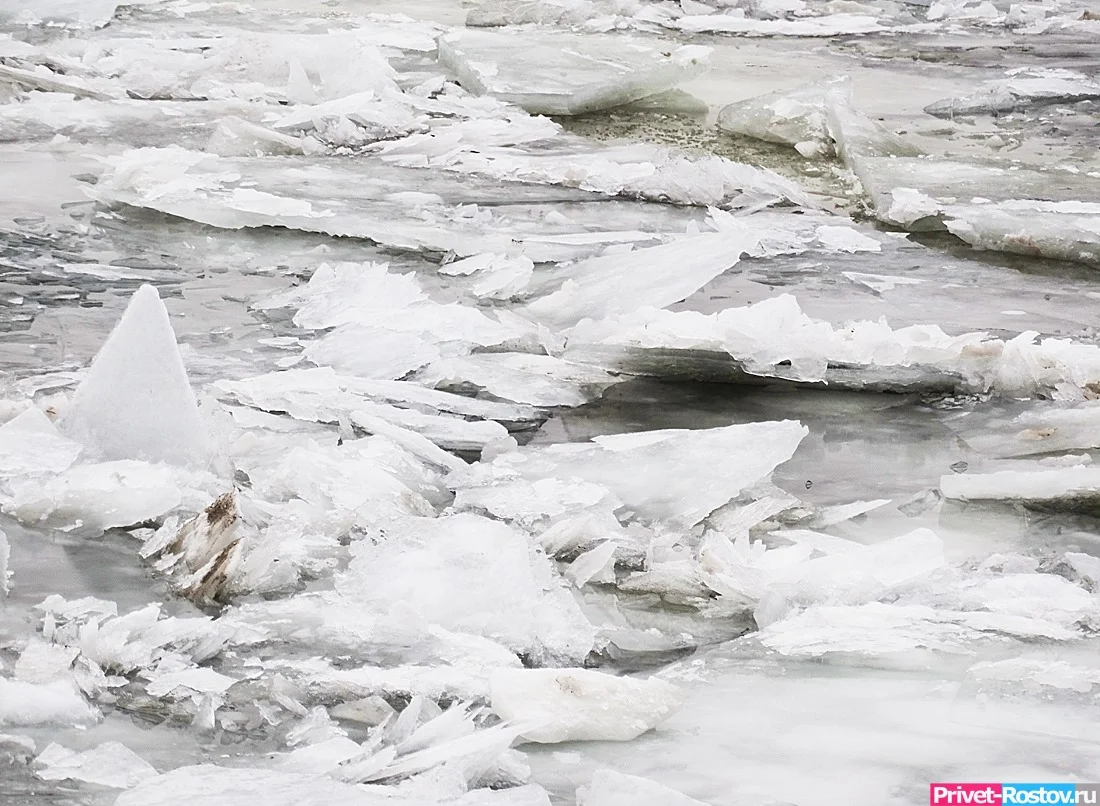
(528, 402)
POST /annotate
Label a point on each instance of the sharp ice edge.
(775, 339)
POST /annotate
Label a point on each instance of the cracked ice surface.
(398, 411)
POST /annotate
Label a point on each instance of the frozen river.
(507, 403)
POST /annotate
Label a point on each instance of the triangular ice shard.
(136, 402)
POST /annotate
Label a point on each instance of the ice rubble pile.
(357, 563)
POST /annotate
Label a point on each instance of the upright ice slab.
(551, 73)
(798, 117)
(136, 402)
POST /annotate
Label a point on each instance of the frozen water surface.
(590, 402)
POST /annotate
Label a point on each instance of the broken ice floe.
(1075, 489)
(990, 205)
(30, 704)
(526, 378)
(676, 490)
(1022, 89)
(561, 74)
(569, 705)
(605, 285)
(797, 118)
(774, 339)
(110, 764)
(320, 395)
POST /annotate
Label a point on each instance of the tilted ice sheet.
(653, 277)
(555, 73)
(367, 201)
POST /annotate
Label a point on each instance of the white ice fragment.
(538, 380)
(611, 788)
(98, 496)
(370, 351)
(663, 475)
(136, 402)
(323, 756)
(880, 283)
(347, 293)
(797, 117)
(1037, 674)
(908, 206)
(198, 679)
(552, 73)
(1070, 487)
(457, 572)
(775, 338)
(846, 239)
(594, 565)
(653, 277)
(1020, 90)
(235, 137)
(56, 703)
(30, 443)
(109, 764)
(580, 704)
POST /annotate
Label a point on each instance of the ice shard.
(552, 73)
(136, 401)
(654, 277)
